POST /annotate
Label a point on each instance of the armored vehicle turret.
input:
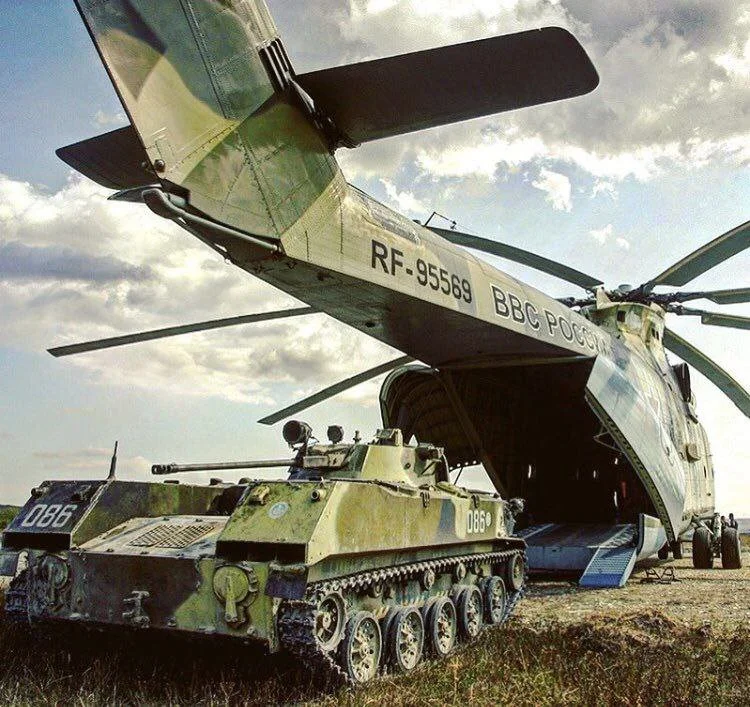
(365, 558)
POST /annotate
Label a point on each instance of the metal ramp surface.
(605, 554)
(611, 565)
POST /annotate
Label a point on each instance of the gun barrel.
(163, 469)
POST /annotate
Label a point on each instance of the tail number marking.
(53, 515)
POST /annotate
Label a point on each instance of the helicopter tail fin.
(206, 84)
(224, 120)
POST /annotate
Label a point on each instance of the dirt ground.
(717, 599)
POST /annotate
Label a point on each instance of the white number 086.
(478, 521)
(54, 515)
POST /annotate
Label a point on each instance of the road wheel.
(470, 611)
(703, 556)
(731, 552)
(442, 626)
(361, 647)
(495, 600)
(405, 640)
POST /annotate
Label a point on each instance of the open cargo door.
(635, 426)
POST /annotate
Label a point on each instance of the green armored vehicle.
(365, 558)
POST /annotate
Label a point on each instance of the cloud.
(557, 188)
(78, 267)
(622, 243)
(673, 94)
(53, 263)
(601, 235)
(403, 201)
(108, 120)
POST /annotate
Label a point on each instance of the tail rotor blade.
(702, 363)
(177, 331)
(518, 255)
(703, 259)
(335, 389)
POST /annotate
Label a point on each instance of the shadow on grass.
(638, 658)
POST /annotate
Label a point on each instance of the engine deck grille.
(173, 535)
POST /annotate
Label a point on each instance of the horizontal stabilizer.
(115, 160)
(401, 94)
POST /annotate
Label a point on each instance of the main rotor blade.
(702, 363)
(703, 259)
(518, 255)
(715, 318)
(735, 296)
(177, 331)
(334, 389)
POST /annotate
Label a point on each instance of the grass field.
(636, 659)
(566, 646)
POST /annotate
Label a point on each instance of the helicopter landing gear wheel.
(677, 550)
(663, 553)
(330, 620)
(361, 648)
(405, 640)
(703, 556)
(731, 552)
(495, 600)
(515, 573)
(442, 626)
(470, 611)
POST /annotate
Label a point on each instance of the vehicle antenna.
(113, 463)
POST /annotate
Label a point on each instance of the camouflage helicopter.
(569, 403)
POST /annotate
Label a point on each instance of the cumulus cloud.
(556, 186)
(104, 119)
(77, 267)
(673, 95)
(601, 235)
(53, 263)
(404, 201)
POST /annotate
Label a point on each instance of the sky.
(619, 183)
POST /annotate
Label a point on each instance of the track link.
(297, 618)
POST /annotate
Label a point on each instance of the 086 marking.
(54, 515)
(391, 260)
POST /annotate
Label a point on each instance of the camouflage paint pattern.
(164, 557)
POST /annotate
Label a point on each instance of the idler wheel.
(515, 573)
(442, 626)
(495, 600)
(330, 619)
(362, 647)
(470, 611)
(405, 640)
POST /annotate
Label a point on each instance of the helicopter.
(570, 403)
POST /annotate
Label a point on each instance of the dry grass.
(641, 658)
(565, 647)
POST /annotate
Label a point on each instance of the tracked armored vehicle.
(364, 559)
